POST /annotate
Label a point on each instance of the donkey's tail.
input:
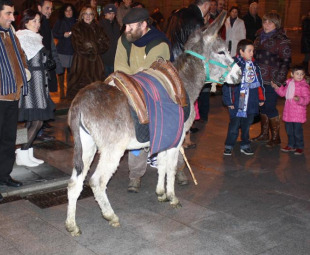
(74, 121)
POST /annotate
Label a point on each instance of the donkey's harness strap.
(207, 67)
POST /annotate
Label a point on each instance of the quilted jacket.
(296, 111)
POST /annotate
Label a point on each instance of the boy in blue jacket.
(243, 100)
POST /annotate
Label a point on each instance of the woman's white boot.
(22, 158)
(32, 158)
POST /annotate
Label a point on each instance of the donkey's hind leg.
(172, 159)
(108, 163)
(160, 188)
(75, 184)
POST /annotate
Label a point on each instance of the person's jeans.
(295, 135)
(233, 131)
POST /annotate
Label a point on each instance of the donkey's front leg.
(172, 159)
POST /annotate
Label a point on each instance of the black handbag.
(50, 64)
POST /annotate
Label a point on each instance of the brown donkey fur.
(100, 119)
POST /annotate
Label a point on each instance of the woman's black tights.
(33, 128)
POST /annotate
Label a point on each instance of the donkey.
(100, 119)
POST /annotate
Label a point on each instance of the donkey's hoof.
(112, 219)
(73, 230)
(162, 198)
(114, 224)
(177, 205)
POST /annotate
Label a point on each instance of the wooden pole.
(189, 167)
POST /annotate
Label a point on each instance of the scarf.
(8, 82)
(153, 34)
(30, 41)
(290, 92)
(264, 36)
(249, 81)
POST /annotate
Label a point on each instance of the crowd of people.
(126, 37)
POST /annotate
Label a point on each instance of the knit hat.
(136, 15)
(109, 8)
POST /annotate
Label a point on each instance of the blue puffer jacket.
(231, 92)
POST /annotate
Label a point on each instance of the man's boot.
(274, 124)
(134, 185)
(61, 81)
(181, 178)
(264, 135)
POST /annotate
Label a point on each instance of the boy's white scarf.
(30, 42)
(290, 92)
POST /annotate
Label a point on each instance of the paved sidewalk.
(242, 205)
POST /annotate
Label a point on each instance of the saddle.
(163, 71)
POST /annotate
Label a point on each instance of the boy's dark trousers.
(233, 131)
(295, 134)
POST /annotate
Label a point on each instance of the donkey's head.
(207, 46)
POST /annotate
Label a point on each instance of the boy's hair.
(298, 68)
(242, 45)
(5, 2)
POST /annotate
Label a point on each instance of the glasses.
(88, 14)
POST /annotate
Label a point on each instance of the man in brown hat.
(137, 49)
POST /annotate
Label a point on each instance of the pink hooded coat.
(296, 111)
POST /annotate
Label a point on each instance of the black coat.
(252, 25)
(305, 37)
(112, 30)
(48, 42)
(64, 45)
(182, 24)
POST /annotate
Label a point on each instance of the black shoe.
(46, 125)
(1, 197)
(45, 137)
(193, 130)
(11, 183)
(227, 152)
(247, 151)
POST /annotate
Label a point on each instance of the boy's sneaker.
(227, 152)
(154, 162)
(149, 160)
(288, 149)
(247, 151)
(299, 152)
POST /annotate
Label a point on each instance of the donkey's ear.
(214, 27)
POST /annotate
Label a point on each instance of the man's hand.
(231, 107)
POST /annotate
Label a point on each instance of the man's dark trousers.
(8, 128)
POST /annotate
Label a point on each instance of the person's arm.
(284, 57)
(59, 68)
(304, 97)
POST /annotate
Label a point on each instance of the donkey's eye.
(221, 52)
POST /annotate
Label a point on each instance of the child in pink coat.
(297, 96)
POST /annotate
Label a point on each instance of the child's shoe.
(247, 151)
(288, 149)
(299, 152)
(227, 152)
